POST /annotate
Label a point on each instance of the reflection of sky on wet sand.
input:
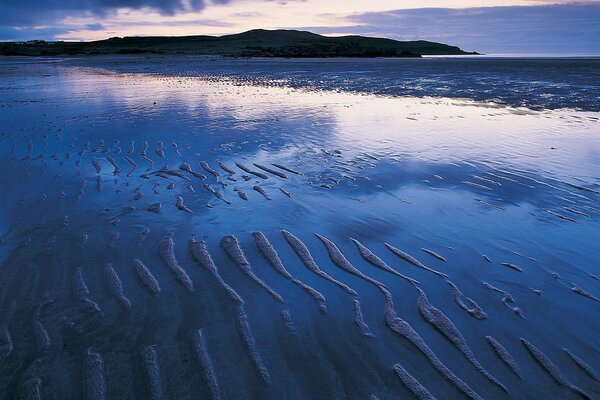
(378, 169)
(431, 129)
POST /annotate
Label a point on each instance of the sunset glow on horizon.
(485, 25)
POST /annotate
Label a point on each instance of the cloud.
(16, 34)
(567, 28)
(96, 26)
(285, 2)
(30, 12)
(48, 19)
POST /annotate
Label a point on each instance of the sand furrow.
(166, 249)
(188, 168)
(249, 171)
(315, 294)
(203, 257)
(407, 257)
(218, 195)
(114, 285)
(341, 261)
(148, 160)
(93, 370)
(585, 367)
(171, 172)
(181, 205)
(97, 166)
(359, 319)
(208, 169)
(204, 359)
(433, 254)
(113, 162)
(130, 161)
(242, 194)
(552, 369)
(288, 169)
(412, 384)
(269, 252)
(153, 374)
(81, 291)
(398, 325)
(146, 278)
(507, 299)
(271, 171)
(286, 317)
(250, 344)
(443, 324)
(225, 168)
(582, 292)
(373, 259)
(504, 355)
(512, 266)
(472, 308)
(232, 247)
(310, 263)
(260, 190)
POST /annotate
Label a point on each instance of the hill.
(254, 43)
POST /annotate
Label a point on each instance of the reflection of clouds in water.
(198, 97)
(425, 128)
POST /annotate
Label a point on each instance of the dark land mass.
(254, 43)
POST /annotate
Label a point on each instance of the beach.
(201, 227)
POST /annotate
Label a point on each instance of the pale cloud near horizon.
(460, 22)
(566, 28)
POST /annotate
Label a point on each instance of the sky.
(487, 26)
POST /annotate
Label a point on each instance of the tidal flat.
(205, 228)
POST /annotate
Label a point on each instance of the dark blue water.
(459, 177)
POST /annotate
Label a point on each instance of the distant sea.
(525, 55)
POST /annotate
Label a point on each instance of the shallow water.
(539, 83)
(458, 177)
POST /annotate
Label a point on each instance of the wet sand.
(172, 236)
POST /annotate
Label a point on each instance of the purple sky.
(490, 26)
